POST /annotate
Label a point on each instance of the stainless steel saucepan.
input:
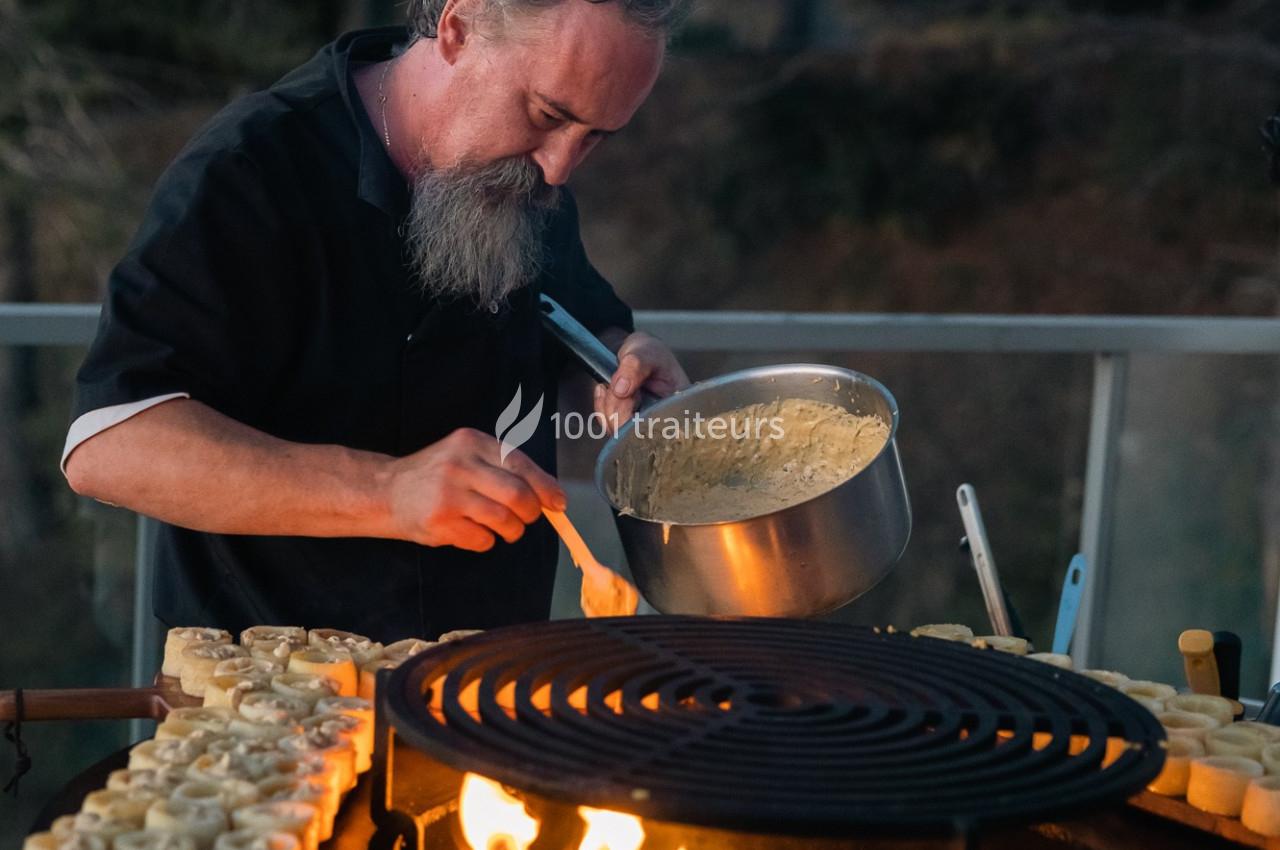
(803, 560)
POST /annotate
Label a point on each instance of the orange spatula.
(604, 592)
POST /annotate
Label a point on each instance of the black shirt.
(268, 280)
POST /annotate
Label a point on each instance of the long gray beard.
(477, 233)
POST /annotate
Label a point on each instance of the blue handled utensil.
(1069, 604)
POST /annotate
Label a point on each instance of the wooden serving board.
(1178, 809)
(152, 703)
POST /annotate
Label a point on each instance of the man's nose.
(558, 156)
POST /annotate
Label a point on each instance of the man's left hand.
(644, 362)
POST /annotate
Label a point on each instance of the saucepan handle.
(582, 344)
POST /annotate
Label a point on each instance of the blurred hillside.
(1043, 156)
(931, 156)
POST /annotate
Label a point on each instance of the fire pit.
(693, 731)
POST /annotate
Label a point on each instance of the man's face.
(549, 85)
(526, 106)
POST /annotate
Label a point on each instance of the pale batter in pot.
(767, 457)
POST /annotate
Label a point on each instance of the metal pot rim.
(815, 369)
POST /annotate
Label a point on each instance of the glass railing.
(1152, 445)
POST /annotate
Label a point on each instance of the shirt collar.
(379, 182)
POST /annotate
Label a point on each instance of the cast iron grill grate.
(768, 725)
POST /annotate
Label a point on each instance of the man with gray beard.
(332, 299)
(477, 232)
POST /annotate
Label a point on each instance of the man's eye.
(550, 118)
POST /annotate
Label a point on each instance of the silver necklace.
(382, 103)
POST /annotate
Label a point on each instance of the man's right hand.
(185, 463)
(456, 492)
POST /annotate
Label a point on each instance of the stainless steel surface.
(751, 331)
(1097, 515)
(1069, 604)
(984, 564)
(724, 330)
(146, 628)
(804, 560)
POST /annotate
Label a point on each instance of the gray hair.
(657, 17)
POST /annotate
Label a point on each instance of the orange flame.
(608, 830)
(491, 818)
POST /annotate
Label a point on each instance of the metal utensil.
(1270, 711)
(1069, 604)
(983, 562)
(800, 561)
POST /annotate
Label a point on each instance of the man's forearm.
(187, 464)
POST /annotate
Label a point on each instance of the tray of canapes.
(259, 741)
(1221, 773)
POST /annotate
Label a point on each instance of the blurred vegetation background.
(1057, 156)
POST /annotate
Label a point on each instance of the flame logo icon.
(513, 434)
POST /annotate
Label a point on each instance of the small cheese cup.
(1270, 759)
(1151, 690)
(159, 782)
(180, 638)
(1216, 784)
(128, 806)
(227, 691)
(253, 839)
(944, 631)
(361, 649)
(209, 719)
(335, 750)
(1184, 724)
(1107, 677)
(354, 729)
(199, 662)
(228, 794)
(274, 653)
(142, 840)
(1000, 643)
(292, 816)
(1220, 709)
(176, 752)
(403, 650)
(1270, 733)
(368, 682)
(1233, 741)
(273, 709)
(1054, 659)
(88, 823)
(1172, 781)
(307, 687)
(250, 665)
(202, 823)
(332, 664)
(1261, 809)
(282, 787)
(296, 635)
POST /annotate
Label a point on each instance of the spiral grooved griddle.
(774, 726)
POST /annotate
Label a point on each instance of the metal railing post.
(1110, 373)
(146, 628)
